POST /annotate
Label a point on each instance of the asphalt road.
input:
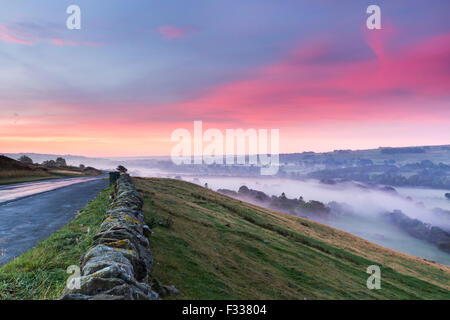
(30, 212)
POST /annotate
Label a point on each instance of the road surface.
(30, 212)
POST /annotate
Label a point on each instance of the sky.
(138, 70)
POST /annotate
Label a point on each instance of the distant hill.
(381, 155)
(13, 171)
(11, 164)
(73, 160)
(401, 155)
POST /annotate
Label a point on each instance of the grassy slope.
(221, 248)
(41, 273)
(30, 176)
(13, 171)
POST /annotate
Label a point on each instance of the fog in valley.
(366, 206)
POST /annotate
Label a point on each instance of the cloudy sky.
(137, 70)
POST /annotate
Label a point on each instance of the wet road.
(30, 212)
(20, 190)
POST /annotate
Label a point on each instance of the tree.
(82, 166)
(61, 162)
(49, 163)
(25, 159)
(122, 169)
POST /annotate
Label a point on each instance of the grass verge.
(25, 179)
(41, 272)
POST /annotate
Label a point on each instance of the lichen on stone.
(117, 264)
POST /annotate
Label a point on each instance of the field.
(213, 247)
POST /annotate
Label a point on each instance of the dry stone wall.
(118, 262)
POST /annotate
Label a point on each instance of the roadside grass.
(7, 174)
(25, 179)
(211, 246)
(66, 173)
(17, 176)
(71, 173)
(61, 174)
(41, 272)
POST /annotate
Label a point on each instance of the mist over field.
(366, 208)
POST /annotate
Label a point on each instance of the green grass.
(41, 272)
(25, 179)
(30, 176)
(9, 176)
(220, 248)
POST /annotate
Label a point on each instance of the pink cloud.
(378, 40)
(17, 36)
(174, 32)
(404, 82)
(62, 43)
(9, 35)
(409, 83)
